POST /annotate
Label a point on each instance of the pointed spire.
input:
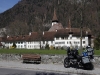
(69, 25)
(55, 19)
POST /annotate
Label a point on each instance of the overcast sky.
(7, 4)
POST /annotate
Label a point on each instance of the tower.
(55, 19)
(69, 26)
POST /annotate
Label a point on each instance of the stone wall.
(55, 59)
(10, 57)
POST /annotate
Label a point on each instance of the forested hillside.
(36, 15)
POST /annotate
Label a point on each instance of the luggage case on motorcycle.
(85, 59)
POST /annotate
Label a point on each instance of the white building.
(57, 36)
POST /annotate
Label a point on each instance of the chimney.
(30, 33)
(86, 32)
(56, 30)
(43, 32)
(7, 36)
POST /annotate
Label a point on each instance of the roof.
(49, 35)
(33, 37)
(56, 27)
(67, 31)
(61, 33)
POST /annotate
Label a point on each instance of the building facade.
(56, 36)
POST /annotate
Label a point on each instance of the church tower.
(55, 19)
(55, 23)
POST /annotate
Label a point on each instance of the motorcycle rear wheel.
(88, 66)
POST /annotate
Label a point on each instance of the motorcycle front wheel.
(66, 62)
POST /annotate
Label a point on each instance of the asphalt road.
(18, 68)
(7, 71)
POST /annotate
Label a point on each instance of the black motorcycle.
(75, 60)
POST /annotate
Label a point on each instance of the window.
(18, 42)
(65, 38)
(51, 41)
(78, 42)
(74, 42)
(67, 42)
(62, 37)
(57, 38)
(21, 46)
(83, 42)
(70, 42)
(43, 42)
(56, 42)
(18, 46)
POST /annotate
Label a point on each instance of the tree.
(97, 42)
(40, 12)
(14, 45)
(17, 28)
(47, 46)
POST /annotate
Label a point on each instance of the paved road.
(42, 69)
(7, 71)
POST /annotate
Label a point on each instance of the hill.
(36, 15)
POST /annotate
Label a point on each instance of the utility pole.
(81, 27)
(81, 38)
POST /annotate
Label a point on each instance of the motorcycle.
(79, 61)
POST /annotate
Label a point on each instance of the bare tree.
(18, 28)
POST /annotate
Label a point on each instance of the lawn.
(97, 52)
(38, 51)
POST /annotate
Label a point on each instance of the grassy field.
(31, 51)
(25, 51)
(97, 52)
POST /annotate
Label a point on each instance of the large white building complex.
(56, 36)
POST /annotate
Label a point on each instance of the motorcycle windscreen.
(90, 53)
(85, 60)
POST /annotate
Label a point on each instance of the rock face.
(45, 59)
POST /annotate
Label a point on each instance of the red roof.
(49, 35)
(67, 31)
(35, 36)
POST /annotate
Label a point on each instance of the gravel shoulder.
(48, 67)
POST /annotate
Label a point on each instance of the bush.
(58, 47)
(47, 46)
(51, 47)
(14, 45)
(64, 47)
